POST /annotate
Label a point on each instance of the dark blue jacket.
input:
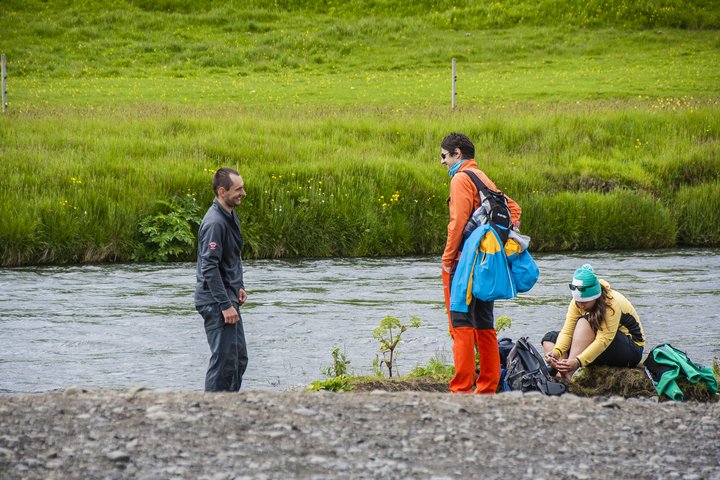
(219, 263)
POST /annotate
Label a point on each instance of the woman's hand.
(565, 366)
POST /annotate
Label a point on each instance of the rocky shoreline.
(147, 434)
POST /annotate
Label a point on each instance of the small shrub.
(335, 384)
(338, 371)
(169, 235)
(503, 322)
(436, 367)
(339, 366)
(388, 334)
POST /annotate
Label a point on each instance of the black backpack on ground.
(527, 372)
(505, 345)
(493, 209)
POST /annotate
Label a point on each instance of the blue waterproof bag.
(524, 270)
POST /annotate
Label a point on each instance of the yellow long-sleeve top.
(621, 317)
(464, 200)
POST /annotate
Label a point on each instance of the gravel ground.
(158, 434)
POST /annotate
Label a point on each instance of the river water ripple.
(116, 326)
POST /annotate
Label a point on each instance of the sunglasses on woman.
(580, 288)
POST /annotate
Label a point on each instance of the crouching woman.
(601, 328)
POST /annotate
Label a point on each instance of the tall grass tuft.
(594, 221)
(696, 210)
(341, 209)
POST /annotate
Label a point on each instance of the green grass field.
(602, 119)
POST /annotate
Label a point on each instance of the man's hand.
(242, 296)
(231, 316)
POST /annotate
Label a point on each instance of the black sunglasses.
(443, 155)
(580, 288)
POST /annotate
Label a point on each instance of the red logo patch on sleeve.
(212, 245)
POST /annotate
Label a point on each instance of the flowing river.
(117, 326)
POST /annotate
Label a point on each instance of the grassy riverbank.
(590, 382)
(603, 122)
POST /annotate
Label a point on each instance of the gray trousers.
(229, 358)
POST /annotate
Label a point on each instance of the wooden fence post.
(4, 82)
(454, 79)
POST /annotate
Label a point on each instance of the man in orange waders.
(476, 328)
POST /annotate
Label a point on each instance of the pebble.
(73, 390)
(148, 434)
(118, 456)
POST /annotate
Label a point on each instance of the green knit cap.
(585, 284)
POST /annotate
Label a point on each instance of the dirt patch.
(420, 384)
(625, 382)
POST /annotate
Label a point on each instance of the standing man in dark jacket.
(220, 289)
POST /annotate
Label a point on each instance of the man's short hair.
(461, 141)
(222, 179)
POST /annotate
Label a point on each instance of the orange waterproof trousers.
(466, 340)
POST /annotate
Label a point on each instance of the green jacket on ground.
(665, 364)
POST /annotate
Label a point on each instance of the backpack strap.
(499, 197)
(481, 187)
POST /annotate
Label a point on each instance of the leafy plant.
(335, 384)
(169, 235)
(339, 366)
(503, 322)
(338, 371)
(377, 371)
(437, 367)
(388, 334)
